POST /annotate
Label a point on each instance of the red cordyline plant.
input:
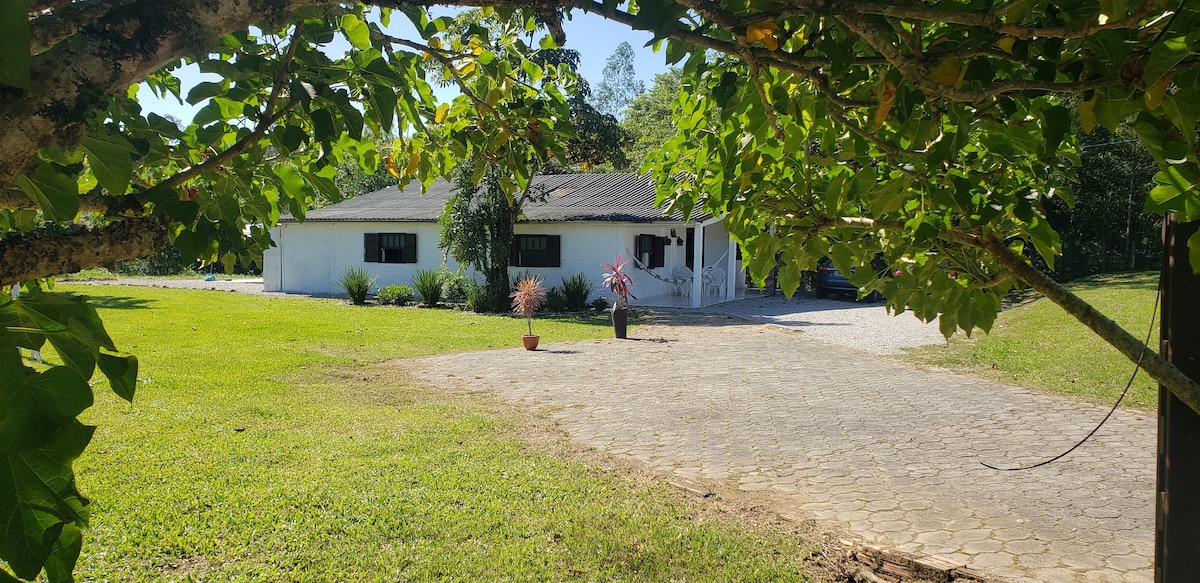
(618, 281)
(528, 297)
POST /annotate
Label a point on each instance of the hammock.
(650, 271)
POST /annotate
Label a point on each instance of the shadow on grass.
(117, 302)
(1140, 280)
(1143, 280)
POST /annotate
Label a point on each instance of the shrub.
(357, 284)
(393, 294)
(454, 285)
(168, 261)
(428, 283)
(556, 300)
(475, 296)
(576, 290)
(599, 304)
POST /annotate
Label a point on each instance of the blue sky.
(594, 37)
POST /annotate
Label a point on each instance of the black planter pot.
(620, 319)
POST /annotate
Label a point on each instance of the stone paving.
(890, 453)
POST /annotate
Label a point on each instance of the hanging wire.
(1136, 367)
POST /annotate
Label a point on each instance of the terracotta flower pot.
(620, 319)
(530, 341)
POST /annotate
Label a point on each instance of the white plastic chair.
(683, 280)
(714, 282)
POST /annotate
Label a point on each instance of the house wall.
(310, 257)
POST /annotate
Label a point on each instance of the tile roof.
(568, 197)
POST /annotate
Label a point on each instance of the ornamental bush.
(396, 295)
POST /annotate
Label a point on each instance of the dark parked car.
(831, 281)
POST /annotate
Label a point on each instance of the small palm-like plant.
(618, 281)
(428, 283)
(357, 284)
(528, 297)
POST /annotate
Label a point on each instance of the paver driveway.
(890, 453)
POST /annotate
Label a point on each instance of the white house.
(585, 220)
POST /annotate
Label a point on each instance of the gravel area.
(861, 325)
(242, 285)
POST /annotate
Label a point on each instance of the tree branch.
(1157, 367)
(40, 254)
(51, 28)
(129, 204)
(266, 119)
(992, 19)
(917, 71)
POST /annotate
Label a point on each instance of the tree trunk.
(1178, 533)
(43, 254)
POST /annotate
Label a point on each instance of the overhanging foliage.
(931, 132)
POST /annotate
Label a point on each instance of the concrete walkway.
(889, 453)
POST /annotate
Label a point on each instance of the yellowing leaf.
(1006, 44)
(413, 161)
(435, 42)
(1154, 95)
(467, 69)
(390, 164)
(1087, 114)
(440, 115)
(763, 32)
(886, 99)
(947, 73)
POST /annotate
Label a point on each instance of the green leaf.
(1045, 240)
(323, 185)
(167, 203)
(293, 137)
(205, 90)
(323, 125)
(64, 554)
(38, 499)
(111, 158)
(1173, 187)
(1056, 122)
(15, 41)
(55, 193)
(121, 372)
(1164, 55)
(61, 392)
(1194, 252)
(71, 325)
(383, 101)
(356, 31)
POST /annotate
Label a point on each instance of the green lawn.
(264, 445)
(1038, 345)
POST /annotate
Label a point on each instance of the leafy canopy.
(932, 132)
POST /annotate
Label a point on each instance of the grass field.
(265, 445)
(1039, 345)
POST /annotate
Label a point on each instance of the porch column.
(731, 270)
(698, 266)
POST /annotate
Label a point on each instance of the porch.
(685, 302)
